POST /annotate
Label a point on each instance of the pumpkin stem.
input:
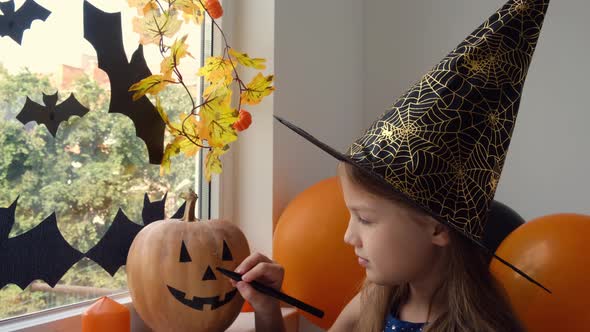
(189, 209)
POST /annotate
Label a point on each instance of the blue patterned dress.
(394, 324)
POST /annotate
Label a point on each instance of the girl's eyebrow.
(360, 208)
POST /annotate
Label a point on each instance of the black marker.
(274, 293)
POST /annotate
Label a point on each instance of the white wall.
(319, 70)
(316, 53)
(547, 165)
(246, 184)
(315, 50)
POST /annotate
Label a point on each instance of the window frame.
(68, 317)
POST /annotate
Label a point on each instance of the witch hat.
(443, 143)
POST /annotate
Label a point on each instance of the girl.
(418, 184)
(421, 275)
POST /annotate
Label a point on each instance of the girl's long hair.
(476, 301)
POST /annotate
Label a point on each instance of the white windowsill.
(69, 319)
(61, 319)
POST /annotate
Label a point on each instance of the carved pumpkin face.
(172, 276)
(197, 302)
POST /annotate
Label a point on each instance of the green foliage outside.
(94, 166)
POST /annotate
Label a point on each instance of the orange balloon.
(553, 250)
(320, 269)
(247, 307)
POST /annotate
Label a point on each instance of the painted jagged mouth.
(198, 302)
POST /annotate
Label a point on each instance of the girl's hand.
(265, 271)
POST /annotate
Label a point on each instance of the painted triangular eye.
(209, 275)
(226, 253)
(184, 256)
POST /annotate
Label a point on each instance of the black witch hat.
(443, 143)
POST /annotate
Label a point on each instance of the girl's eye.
(363, 221)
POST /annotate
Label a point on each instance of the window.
(95, 164)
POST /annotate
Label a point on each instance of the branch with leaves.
(213, 123)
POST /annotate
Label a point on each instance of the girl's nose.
(350, 236)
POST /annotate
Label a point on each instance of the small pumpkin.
(172, 276)
(244, 120)
(214, 8)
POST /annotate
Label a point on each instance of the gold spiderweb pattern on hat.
(444, 142)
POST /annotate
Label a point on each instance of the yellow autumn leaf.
(161, 111)
(150, 85)
(174, 130)
(192, 10)
(166, 163)
(244, 59)
(149, 7)
(179, 145)
(208, 126)
(257, 89)
(144, 7)
(189, 126)
(219, 118)
(217, 70)
(178, 50)
(218, 93)
(138, 3)
(213, 163)
(188, 147)
(203, 129)
(153, 26)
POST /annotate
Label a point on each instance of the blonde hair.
(476, 301)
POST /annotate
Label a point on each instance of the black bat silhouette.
(51, 115)
(14, 23)
(111, 251)
(104, 32)
(41, 253)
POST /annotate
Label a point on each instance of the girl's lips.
(363, 262)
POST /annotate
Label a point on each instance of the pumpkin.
(214, 8)
(172, 276)
(244, 120)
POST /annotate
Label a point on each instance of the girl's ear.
(440, 234)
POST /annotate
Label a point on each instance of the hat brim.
(345, 158)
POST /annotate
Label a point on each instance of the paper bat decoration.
(111, 251)
(51, 115)
(14, 23)
(41, 253)
(103, 31)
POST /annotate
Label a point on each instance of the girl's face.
(395, 244)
